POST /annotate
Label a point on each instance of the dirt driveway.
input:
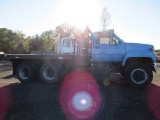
(37, 101)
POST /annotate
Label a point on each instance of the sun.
(80, 12)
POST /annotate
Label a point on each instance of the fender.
(138, 54)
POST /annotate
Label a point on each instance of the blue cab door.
(107, 48)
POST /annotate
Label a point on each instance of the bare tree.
(104, 19)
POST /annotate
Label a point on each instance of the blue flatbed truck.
(105, 53)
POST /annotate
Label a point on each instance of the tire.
(49, 73)
(25, 72)
(139, 75)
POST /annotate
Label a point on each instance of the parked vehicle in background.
(101, 54)
(36, 52)
(48, 53)
(158, 58)
(2, 58)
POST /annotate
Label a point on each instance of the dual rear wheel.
(25, 72)
(48, 73)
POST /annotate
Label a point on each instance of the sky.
(132, 20)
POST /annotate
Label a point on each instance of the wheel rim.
(24, 73)
(139, 76)
(49, 73)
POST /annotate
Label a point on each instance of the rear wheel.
(139, 75)
(49, 73)
(25, 72)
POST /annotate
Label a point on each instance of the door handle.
(97, 47)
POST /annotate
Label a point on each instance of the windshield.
(117, 37)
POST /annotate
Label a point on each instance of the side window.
(68, 43)
(104, 41)
(103, 38)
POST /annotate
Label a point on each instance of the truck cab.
(107, 47)
(134, 61)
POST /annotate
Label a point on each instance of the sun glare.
(80, 12)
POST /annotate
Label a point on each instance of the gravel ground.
(37, 101)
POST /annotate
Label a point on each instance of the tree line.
(16, 42)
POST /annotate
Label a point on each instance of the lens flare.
(82, 101)
(5, 101)
(79, 96)
(153, 99)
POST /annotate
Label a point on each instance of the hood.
(138, 46)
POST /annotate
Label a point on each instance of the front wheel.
(139, 75)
